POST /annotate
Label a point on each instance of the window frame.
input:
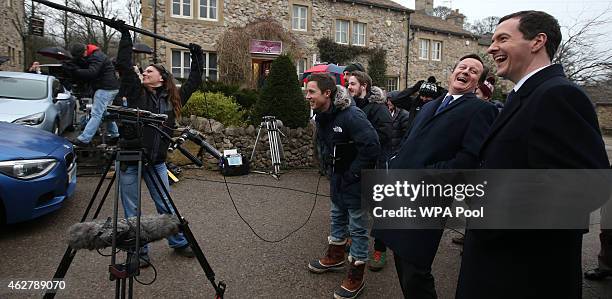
(183, 65)
(423, 41)
(434, 51)
(216, 18)
(181, 12)
(297, 66)
(299, 17)
(354, 33)
(396, 83)
(348, 31)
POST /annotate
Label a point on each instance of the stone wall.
(604, 114)
(11, 44)
(453, 48)
(385, 28)
(297, 144)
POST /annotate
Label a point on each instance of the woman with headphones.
(156, 93)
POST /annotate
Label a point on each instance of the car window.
(57, 88)
(22, 89)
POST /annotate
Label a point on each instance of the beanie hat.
(392, 96)
(487, 87)
(431, 79)
(428, 90)
(354, 67)
(77, 50)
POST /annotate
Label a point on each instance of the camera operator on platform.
(156, 93)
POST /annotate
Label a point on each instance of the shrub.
(246, 98)
(217, 106)
(282, 96)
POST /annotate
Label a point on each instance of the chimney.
(424, 6)
(456, 18)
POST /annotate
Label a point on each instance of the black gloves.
(197, 55)
(195, 49)
(119, 25)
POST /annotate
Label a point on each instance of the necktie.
(445, 103)
(511, 96)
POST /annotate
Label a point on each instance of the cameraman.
(156, 93)
(91, 65)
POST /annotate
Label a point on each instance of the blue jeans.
(354, 221)
(101, 99)
(129, 196)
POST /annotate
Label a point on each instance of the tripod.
(276, 146)
(123, 274)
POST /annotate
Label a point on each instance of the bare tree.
(442, 12)
(585, 52)
(484, 26)
(134, 14)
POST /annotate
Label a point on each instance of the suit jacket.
(549, 124)
(450, 139)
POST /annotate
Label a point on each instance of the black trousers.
(605, 253)
(416, 281)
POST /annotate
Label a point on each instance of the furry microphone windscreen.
(99, 234)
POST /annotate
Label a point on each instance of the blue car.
(37, 172)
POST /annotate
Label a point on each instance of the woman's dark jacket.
(401, 124)
(375, 107)
(156, 101)
(346, 129)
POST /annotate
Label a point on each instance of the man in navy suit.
(447, 133)
(547, 123)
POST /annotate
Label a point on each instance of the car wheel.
(72, 126)
(56, 129)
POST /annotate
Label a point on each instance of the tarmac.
(250, 266)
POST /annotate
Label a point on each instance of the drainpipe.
(408, 47)
(155, 31)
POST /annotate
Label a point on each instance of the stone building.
(11, 45)
(364, 23)
(436, 44)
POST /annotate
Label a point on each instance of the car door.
(62, 107)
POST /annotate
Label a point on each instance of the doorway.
(259, 67)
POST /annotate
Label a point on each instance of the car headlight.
(31, 120)
(27, 169)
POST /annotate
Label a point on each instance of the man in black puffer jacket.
(93, 67)
(371, 99)
(349, 144)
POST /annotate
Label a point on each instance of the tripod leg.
(256, 140)
(193, 243)
(69, 254)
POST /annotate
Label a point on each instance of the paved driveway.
(251, 268)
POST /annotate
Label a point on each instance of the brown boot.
(353, 284)
(333, 259)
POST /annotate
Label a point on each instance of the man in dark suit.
(548, 123)
(447, 134)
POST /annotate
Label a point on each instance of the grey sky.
(568, 12)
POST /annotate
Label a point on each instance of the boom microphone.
(99, 234)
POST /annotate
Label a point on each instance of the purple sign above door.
(266, 47)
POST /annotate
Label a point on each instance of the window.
(436, 50)
(181, 8)
(392, 83)
(359, 34)
(181, 64)
(208, 9)
(300, 66)
(424, 49)
(342, 29)
(300, 16)
(210, 69)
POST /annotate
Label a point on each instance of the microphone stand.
(130, 269)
